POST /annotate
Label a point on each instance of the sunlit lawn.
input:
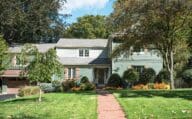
(53, 106)
(156, 104)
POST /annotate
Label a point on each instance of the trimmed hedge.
(131, 76)
(84, 80)
(47, 87)
(187, 76)
(67, 85)
(114, 80)
(29, 90)
(163, 76)
(87, 86)
(147, 76)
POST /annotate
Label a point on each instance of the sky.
(78, 8)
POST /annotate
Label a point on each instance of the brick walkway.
(108, 107)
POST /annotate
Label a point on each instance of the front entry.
(100, 76)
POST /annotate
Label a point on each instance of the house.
(84, 57)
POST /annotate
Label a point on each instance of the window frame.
(138, 68)
(83, 52)
(71, 72)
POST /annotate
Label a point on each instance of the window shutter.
(77, 73)
(66, 73)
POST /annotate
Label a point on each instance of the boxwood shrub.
(147, 76)
(114, 80)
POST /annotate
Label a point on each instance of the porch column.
(109, 74)
(14, 60)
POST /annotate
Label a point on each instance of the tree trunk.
(40, 92)
(172, 71)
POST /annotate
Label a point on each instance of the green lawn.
(153, 104)
(53, 106)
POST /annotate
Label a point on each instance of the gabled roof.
(44, 47)
(89, 43)
(65, 43)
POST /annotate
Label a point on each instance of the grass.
(53, 106)
(155, 104)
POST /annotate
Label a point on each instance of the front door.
(101, 76)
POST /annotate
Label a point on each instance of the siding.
(120, 66)
(148, 59)
(93, 53)
(87, 71)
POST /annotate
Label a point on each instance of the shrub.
(140, 87)
(84, 80)
(147, 76)
(187, 76)
(161, 86)
(112, 88)
(131, 76)
(68, 84)
(28, 90)
(47, 87)
(57, 85)
(114, 80)
(87, 86)
(75, 89)
(163, 76)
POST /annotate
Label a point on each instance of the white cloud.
(72, 5)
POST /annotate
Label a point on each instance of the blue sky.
(78, 8)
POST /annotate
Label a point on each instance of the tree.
(88, 26)
(158, 23)
(43, 65)
(3, 55)
(31, 20)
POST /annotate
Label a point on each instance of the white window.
(71, 73)
(83, 52)
(138, 68)
(86, 53)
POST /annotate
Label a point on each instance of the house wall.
(148, 59)
(87, 71)
(93, 52)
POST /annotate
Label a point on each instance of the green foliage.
(84, 80)
(163, 76)
(3, 56)
(43, 65)
(87, 86)
(31, 21)
(68, 84)
(28, 90)
(88, 26)
(147, 76)
(131, 75)
(114, 80)
(57, 85)
(47, 87)
(140, 24)
(187, 76)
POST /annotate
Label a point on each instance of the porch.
(101, 76)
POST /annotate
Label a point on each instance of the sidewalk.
(108, 107)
